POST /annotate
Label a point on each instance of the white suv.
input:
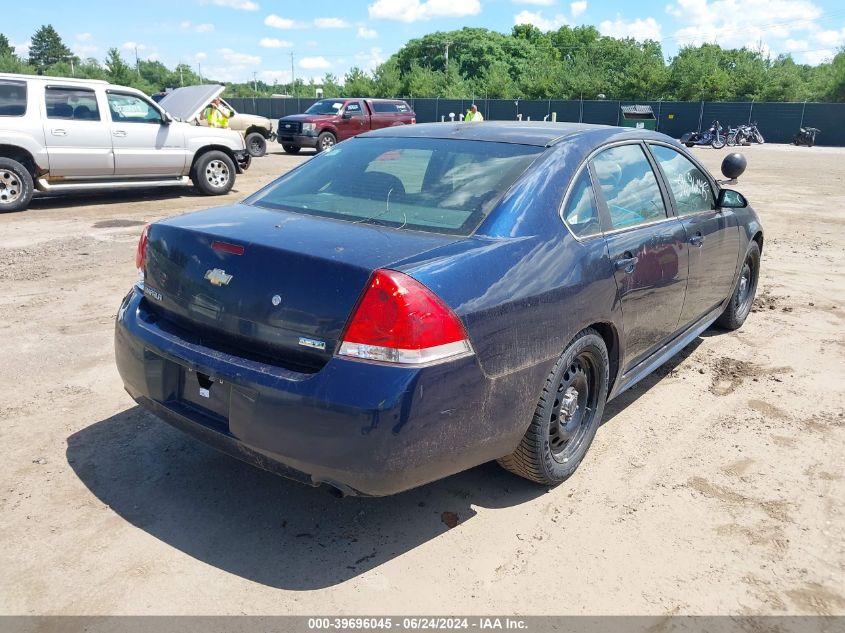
(59, 134)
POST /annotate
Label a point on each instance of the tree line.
(569, 63)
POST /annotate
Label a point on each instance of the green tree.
(47, 48)
(5, 46)
(357, 83)
(118, 71)
(388, 80)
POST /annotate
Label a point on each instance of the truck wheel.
(213, 174)
(291, 149)
(256, 144)
(567, 415)
(325, 141)
(16, 186)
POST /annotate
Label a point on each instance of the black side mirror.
(730, 199)
(346, 115)
(166, 118)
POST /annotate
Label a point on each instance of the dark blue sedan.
(423, 299)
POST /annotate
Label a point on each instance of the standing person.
(468, 115)
(473, 114)
(217, 114)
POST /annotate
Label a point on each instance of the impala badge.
(218, 277)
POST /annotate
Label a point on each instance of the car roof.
(539, 133)
(52, 79)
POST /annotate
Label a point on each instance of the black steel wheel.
(741, 301)
(256, 144)
(567, 415)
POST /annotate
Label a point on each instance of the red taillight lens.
(141, 253)
(399, 320)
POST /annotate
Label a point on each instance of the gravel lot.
(714, 487)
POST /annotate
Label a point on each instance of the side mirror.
(730, 199)
(166, 118)
(346, 115)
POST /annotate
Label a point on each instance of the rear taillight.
(398, 320)
(141, 253)
(413, 120)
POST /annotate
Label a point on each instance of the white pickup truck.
(60, 134)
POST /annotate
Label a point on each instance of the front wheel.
(731, 140)
(291, 149)
(742, 299)
(214, 173)
(759, 138)
(256, 144)
(325, 141)
(718, 141)
(567, 415)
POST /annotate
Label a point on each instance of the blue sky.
(234, 39)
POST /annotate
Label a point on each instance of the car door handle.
(697, 239)
(58, 132)
(120, 133)
(626, 264)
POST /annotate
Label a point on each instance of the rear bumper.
(242, 160)
(364, 428)
(298, 140)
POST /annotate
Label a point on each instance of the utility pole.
(291, 74)
(137, 63)
(254, 82)
(448, 44)
(199, 71)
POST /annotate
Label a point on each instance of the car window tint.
(629, 186)
(580, 212)
(690, 187)
(75, 104)
(132, 109)
(12, 98)
(384, 108)
(423, 184)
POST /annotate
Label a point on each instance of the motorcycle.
(740, 135)
(713, 137)
(806, 136)
(754, 133)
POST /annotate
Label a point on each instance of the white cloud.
(241, 5)
(132, 46)
(639, 29)
(331, 23)
(187, 25)
(370, 59)
(315, 63)
(22, 48)
(85, 50)
(238, 59)
(275, 76)
(415, 10)
(578, 8)
(278, 22)
(312, 43)
(83, 37)
(542, 3)
(366, 33)
(272, 42)
(201, 56)
(536, 18)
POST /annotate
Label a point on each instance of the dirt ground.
(714, 487)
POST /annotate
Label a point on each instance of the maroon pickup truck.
(330, 121)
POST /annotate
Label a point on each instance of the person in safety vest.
(217, 114)
(473, 114)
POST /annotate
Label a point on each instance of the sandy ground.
(714, 487)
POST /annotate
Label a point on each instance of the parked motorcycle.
(754, 133)
(806, 136)
(713, 137)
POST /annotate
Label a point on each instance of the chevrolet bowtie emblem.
(218, 277)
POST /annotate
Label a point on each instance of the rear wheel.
(731, 139)
(742, 299)
(214, 173)
(16, 187)
(568, 414)
(325, 141)
(256, 144)
(291, 149)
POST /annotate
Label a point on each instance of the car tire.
(213, 173)
(16, 186)
(326, 141)
(560, 432)
(291, 149)
(256, 144)
(742, 298)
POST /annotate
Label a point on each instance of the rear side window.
(580, 212)
(75, 104)
(690, 187)
(435, 185)
(385, 108)
(629, 186)
(12, 98)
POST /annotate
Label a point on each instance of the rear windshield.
(435, 185)
(329, 106)
(12, 98)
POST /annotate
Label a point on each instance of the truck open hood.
(187, 103)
